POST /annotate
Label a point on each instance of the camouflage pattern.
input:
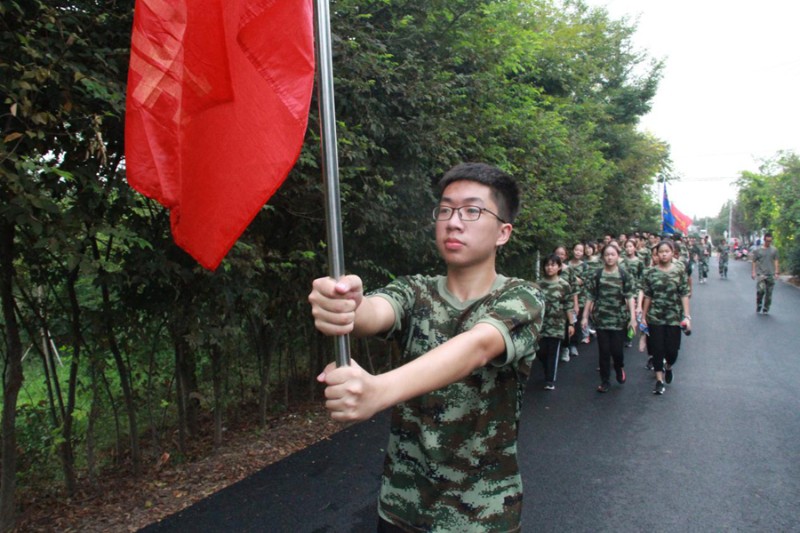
(579, 273)
(557, 301)
(451, 463)
(610, 309)
(704, 256)
(764, 288)
(645, 255)
(665, 290)
(696, 258)
(570, 276)
(635, 267)
(764, 259)
(724, 255)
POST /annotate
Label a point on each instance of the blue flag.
(667, 218)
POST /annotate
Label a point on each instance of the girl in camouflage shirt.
(610, 300)
(558, 305)
(578, 265)
(569, 275)
(666, 310)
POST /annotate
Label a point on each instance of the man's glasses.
(467, 213)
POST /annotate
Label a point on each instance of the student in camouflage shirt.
(666, 310)
(578, 266)
(724, 250)
(559, 301)
(633, 264)
(610, 301)
(571, 277)
(468, 341)
(703, 252)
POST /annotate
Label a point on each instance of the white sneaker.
(565, 355)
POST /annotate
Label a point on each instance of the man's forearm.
(375, 315)
(445, 364)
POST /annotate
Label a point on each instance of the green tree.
(551, 92)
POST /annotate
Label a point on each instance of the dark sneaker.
(603, 387)
(549, 386)
(659, 388)
(650, 364)
(621, 377)
(765, 311)
(668, 375)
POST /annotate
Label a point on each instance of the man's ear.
(504, 234)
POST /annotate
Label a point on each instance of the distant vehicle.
(741, 253)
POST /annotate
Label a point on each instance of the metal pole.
(330, 170)
(663, 192)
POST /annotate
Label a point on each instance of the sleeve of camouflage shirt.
(517, 314)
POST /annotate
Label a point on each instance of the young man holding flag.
(468, 341)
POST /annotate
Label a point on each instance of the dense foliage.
(769, 200)
(150, 343)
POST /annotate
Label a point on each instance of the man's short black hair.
(505, 191)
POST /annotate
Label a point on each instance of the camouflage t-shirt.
(579, 273)
(645, 255)
(665, 290)
(610, 309)
(451, 463)
(569, 275)
(635, 267)
(557, 301)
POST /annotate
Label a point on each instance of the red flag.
(217, 109)
(682, 222)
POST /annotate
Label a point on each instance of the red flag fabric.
(682, 222)
(216, 111)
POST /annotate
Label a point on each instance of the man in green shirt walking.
(765, 269)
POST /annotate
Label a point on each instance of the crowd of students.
(612, 289)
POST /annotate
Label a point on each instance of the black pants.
(548, 356)
(610, 344)
(665, 341)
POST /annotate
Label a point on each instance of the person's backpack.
(599, 272)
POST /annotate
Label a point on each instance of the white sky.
(730, 93)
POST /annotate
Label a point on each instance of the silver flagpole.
(330, 170)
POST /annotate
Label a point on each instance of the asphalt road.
(719, 451)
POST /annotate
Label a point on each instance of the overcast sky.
(730, 94)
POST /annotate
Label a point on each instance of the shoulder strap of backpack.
(623, 276)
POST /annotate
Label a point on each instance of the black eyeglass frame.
(437, 212)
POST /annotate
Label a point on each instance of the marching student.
(610, 302)
(558, 312)
(665, 311)
(571, 277)
(468, 339)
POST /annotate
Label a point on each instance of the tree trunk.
(122, 369)
(217, 381)
(185, 384)
(12, 380)
(181, 396)
(94, 414)
(263, 350)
